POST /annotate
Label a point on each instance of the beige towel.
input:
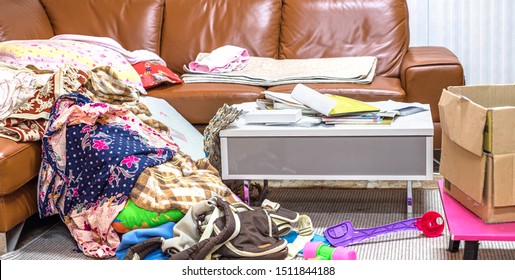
(263, 71)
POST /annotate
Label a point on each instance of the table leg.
(471, 250)
(409, 199)
(247, 191)
(264, 193)
(454, 245)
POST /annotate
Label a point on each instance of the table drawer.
(331, 158)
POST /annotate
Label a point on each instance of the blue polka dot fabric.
(88, 163)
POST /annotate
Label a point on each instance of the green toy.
(321, 251)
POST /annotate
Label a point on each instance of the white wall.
(480, 32)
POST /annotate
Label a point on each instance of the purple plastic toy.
(343, 234)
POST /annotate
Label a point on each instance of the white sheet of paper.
(313, 99)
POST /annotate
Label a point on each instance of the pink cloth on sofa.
(223, 59)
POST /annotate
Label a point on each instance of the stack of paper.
(334, 109)
(366, 119)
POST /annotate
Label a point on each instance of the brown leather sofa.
(178, 30)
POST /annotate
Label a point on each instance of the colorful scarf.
(93, 153)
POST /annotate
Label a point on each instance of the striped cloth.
(179, 184)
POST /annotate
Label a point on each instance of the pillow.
(153, 74)
(53, 54)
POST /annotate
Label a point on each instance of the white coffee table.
(400, 151)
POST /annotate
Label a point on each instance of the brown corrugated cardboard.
(488, 214)
(503, 179)
(480, 117)
(463, 168)
(478, 149)
(483, 184)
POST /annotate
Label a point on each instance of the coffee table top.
(419, 124)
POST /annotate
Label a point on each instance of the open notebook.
(328, 104)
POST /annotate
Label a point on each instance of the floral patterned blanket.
(93, 152)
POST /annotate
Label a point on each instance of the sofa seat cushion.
(381, 88)
(199, 102)
(19, 163)
(18, 206)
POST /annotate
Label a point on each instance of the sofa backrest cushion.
(332, 28)
(135, 24)
(23, 20)
(197, 26)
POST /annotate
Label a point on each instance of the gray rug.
(325, 206)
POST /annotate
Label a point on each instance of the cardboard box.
(480, 117)
(478, 149)
(483, 184)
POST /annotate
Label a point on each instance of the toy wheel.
(310, 250)
(342, 253)
(431, 224)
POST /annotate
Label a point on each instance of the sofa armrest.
(426, 71)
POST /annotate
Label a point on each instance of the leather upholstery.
(35, 23)
(197, 26)
(134, 24)
(179, 29)
(18, 206)
(198, 103)
(350, 28)
(381, 88)
(19, 167)
(19, 163)
(426, 71)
